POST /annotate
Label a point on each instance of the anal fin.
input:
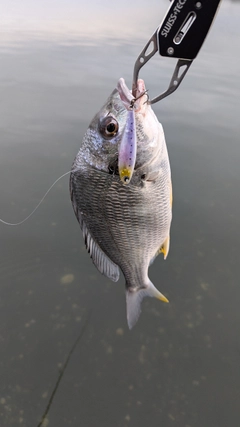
(171, 194)
(165, 247)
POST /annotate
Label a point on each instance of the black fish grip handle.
(181, 36)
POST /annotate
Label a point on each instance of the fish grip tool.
(181, 36)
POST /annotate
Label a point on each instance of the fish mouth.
(129, 101)
(113, 166)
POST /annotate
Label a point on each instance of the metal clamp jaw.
(178, 74)
(180, 36)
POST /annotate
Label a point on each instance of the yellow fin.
(171, 194)
(165, 247)
(163, 298)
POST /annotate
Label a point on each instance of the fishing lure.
(128, 149)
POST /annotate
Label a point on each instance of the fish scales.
(117, 218)
(124, 226)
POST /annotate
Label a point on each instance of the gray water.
(180, 365)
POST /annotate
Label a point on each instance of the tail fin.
(134, 297)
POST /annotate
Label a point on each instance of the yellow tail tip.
(163, 298)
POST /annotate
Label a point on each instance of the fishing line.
(34, 210)
(62, 371)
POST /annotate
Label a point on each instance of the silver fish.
(124, 226)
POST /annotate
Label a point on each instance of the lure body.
(128, 149)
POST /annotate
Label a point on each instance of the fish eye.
(108, 127)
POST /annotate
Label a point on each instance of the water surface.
(180, 364)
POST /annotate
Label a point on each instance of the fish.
(125, 222)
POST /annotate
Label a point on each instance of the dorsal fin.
(100, 259)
